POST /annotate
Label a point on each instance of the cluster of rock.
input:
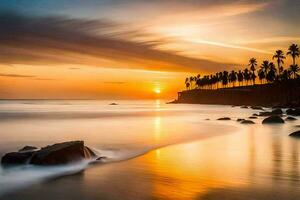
(57, 154)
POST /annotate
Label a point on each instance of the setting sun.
(157, 91)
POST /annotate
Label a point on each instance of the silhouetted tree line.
(267, 73)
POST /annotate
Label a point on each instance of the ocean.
(154, 150)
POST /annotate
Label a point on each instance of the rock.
(247, 122)
(16, 158)
(256, 108)
(253, 117)
(274, 119)
(262, 114)
(245, 107)
(240, 119)
(113, 104)
(289, 118)
(256, 115)
(224, 118)
(295, 134)
(277, 111)
(62, 153)
(294, 112)
(207, 119)
(28, 148)
(101, 158)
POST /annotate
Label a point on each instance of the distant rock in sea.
(224, 118)
(252, 117)
(275, 119)
(240, 119)
(295, 134)
(247, 122)
(244, 107)
(57, 154)
(256, 108)
(113, 104)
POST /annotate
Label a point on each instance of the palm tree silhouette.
(232, 77)
(261, 75)
(271, 74)
(240, 77)
(253, 64)
(279, 56)
(294, 69)
(293, 52)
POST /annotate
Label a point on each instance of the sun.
(157, 91)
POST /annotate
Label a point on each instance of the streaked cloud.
(58, 40)
(16, 75)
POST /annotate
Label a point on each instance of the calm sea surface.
(154, 150)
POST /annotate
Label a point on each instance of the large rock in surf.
(57, 154)
(295, 134)
(16, 158)
(62, 153)
(277, 111)
(275, 119)
(28, 148)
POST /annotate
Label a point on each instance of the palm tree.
(294, 52)
(261, 75)
(240, 77)
(225, 78)
(271, 75)
(232, 77)
(191, 81)
(253, 64)
(265, 66)
(187, 85)
(279, 56)
(294, 69)
(246, 75)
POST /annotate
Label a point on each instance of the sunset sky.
(134, 49)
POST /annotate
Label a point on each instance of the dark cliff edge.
(285, 94)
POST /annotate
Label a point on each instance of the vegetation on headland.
(268, 72)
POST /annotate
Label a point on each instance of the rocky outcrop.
(295, 134)
(57, 154)
(275, 119)
(240, 119)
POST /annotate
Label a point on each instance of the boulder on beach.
(57, 154)
(244, 107)
(256, 108)
(247, 122)
(28, 148)
(294, 112)
(295, 134)
(224, 118)
(289, 118)
(240, 119)
(274, 119)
